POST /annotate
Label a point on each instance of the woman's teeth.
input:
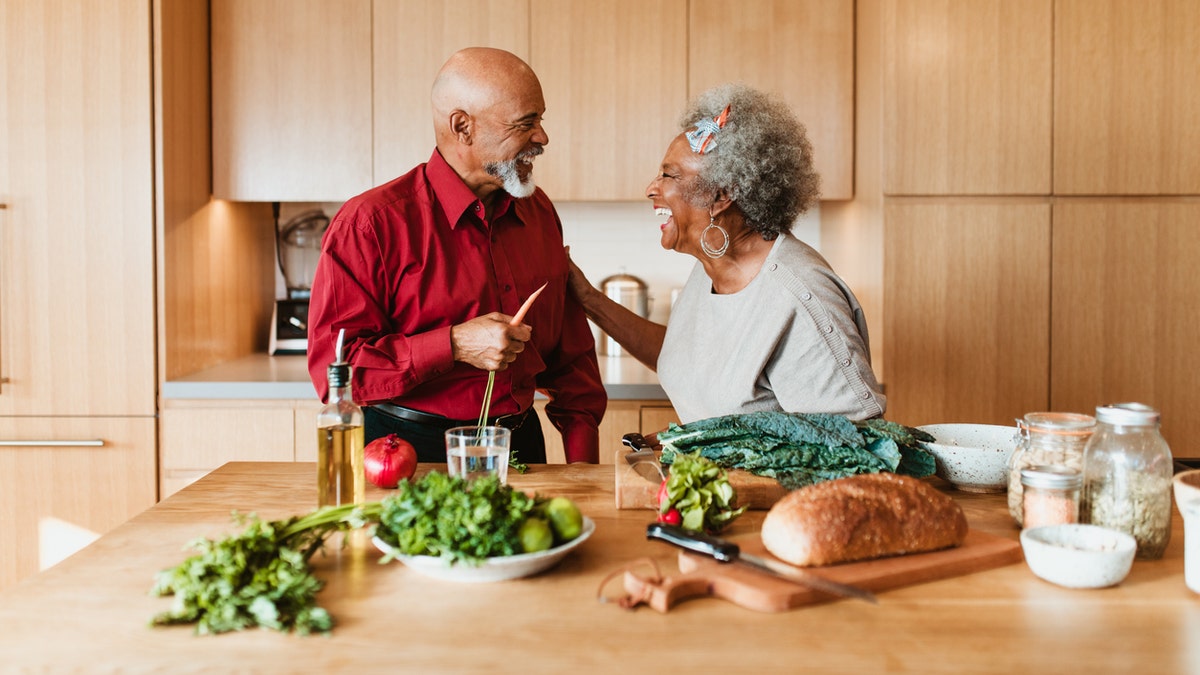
(662, 211)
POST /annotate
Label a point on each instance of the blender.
(298, 247)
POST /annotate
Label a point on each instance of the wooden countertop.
(91, 611)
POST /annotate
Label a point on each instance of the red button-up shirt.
(403, 262)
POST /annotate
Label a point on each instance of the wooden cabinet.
(1127, 97)
(76, 275)
(1124, 300)
(77, 236)
(967, 287)
(614, 75)
(317, 100)
(967, 97)
(198, 436)
(411, 41)
(65, 481)
(801, 50)
(622, 417)
(291, 99)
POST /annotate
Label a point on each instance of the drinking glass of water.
(477, 451)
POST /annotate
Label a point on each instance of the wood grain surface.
(390, 619)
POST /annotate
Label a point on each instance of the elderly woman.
(763, 322)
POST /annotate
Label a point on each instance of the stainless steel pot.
(630, 292)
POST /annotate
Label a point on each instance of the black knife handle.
(696, 542)
(635, 441)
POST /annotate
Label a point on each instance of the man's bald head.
(487, 118)
(477, 78)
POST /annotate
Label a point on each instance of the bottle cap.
(339, 371)
(1051, 476)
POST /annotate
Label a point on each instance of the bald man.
(425, 273)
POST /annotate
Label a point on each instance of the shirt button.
(828, 329)
(866, 394)
(478, 208)
(774, 267)
(845, 362)
(507, 287)
(807, 295)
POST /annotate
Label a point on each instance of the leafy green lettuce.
(799, 449)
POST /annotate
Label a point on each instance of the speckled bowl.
(1078, 556)
(972, 457)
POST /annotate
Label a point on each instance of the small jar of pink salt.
(1051, 495)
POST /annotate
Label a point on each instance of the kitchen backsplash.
(612, 237)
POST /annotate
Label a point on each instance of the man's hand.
(488, 342)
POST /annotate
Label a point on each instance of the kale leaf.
(799, 449)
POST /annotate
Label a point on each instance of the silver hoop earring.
(708, 250)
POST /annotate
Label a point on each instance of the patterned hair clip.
(703, 138)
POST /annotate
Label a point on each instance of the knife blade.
(642, 459)
(724, 551)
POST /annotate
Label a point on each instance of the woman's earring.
(708, 250)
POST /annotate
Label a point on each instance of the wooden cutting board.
(700, 576)
(635, 491)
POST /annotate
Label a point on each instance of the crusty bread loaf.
(862, 517)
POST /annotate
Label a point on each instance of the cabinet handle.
(84, 443)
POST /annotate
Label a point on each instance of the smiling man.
(425, 272)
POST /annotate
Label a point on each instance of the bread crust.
(862, 517)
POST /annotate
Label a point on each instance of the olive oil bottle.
(340, 475)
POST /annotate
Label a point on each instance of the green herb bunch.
(441, 515)
(259, 577)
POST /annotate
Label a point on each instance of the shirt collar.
(453, 195)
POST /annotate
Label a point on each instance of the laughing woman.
(763, 322)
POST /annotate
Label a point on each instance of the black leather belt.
(513, 421)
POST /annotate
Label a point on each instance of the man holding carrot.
(427, 273)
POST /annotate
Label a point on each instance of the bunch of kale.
(800, 449)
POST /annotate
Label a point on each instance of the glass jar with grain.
(1127, 471)
(1045, 439)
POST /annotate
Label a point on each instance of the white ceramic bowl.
(1187, 493)
(972, 457)
(493, 569)
(1078, 556)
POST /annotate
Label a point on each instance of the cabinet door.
(614, 75)
(404, 73)
(967, 94)
(967, 296)
(291, 99)
(199, 436)
(64, 481)
(77, 233)
(1125, 298)
(801, 50)
(1127, 97)
(655, 418)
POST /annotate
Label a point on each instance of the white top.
(794, 339)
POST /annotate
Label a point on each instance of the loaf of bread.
(862, 517)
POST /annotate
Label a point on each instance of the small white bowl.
(972, 457)
(1078, 556)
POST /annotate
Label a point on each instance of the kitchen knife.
(643, 459)
(728, 552)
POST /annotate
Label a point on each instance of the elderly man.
(425, 272)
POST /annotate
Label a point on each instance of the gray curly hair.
(762, 159)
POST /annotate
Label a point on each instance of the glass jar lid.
(1058, 423)
(1127, 414)
(1051, 476)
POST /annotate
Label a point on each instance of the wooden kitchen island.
(90, 613)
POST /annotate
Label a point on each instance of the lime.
(535, 535)
(565, 518)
